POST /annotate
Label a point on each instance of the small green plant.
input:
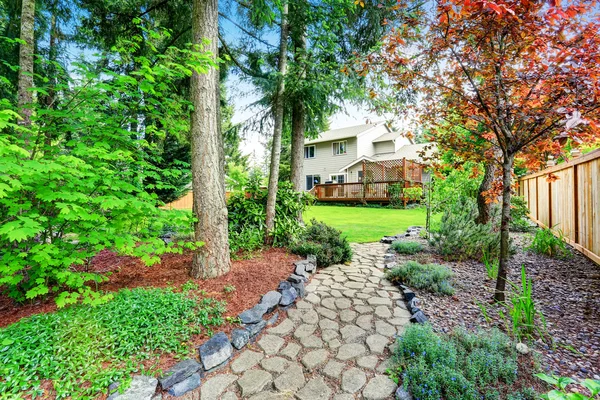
(518, 215)
(545, 242)
(484, 311)
(82, 349)
(325, 242)
(457, 366)
(406, 247)
(228, 289)
(432, 277)
(189, 286)
(561, 392)
(491, 265)
(522, 309)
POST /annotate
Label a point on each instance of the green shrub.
(459, 237)
(519, 222)
(247, 213)
(432, 277)
(458, 366)
(325, 242)
(406, 247)
(83, 349)
(546, 243)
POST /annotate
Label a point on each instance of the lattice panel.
(392, 170)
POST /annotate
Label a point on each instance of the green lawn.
(362, 224)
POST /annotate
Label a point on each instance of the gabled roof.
(410, 152)
(343, 133)
(387, 137)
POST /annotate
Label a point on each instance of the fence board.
(570, 204)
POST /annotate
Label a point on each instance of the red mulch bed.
(251, 278)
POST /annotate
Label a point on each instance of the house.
(338, 155)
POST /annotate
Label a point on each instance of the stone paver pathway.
(333, 345)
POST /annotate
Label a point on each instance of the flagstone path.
(333, 345)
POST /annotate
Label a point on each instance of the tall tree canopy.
(513, 73)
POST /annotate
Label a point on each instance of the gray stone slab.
(349, 351)
(274, 364)
(353, 380)
(379, 387)
(213, 387)
(284, 328)
(187, 385)
(179, 372)
(315, 358)
(246, 360)
(315, 389)
(142, 387)
(291, 380)
(271, 344)
(290, 351)
(333, 369)
(254, 314)
(304, 330)
(377, 343)
(254, 381)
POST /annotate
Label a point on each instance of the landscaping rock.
(273, 319)
(388, 239)
(300, 270)
(315, 389)
(212, 388)
(288, 296)
(402, 394)
(181, 388)
(255, 329)
(296, 278)
(413, 305)
(311, 258)
(299, 287)
(179, 372)
(418, 318)
(284, 285)
(408, 294)
(215, 351)
(254, 315)
(142, 388)
(239, 338)
(522, 348)
(254, 381)
(379, 388)
(270, 301)
(310, 267)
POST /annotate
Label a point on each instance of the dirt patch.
(251, 278)
(566, 291)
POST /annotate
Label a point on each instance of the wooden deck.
(375, 192)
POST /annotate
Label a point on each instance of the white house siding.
(401, 141)
(366, 147)
(353, 172)
(385, 147)
(325, 163)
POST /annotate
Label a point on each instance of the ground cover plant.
(546, 243)
(431, 277)
(82, 349)
(407, 247)
(457, 366)
(560, 391)
(325, 242)
(364, 224)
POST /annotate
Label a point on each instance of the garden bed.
(564, 290)
(251, 278)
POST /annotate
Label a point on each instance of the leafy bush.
(247, 214)
(406, 247)
(547, 244)
(458, 366)
(459, 237)
(432, 277)
(83, 349)
(413, 193)
(73, 183)
(561, 392)
(519, 222)
(325, 242)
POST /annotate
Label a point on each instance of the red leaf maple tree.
(513, 73)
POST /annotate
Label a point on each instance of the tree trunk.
(278, 127)
(482, 205)
(298, 117)
(507, 167)
(25, 79)
(208, 183)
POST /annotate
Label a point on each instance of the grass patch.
(432, 277)
(458, 366)
(83, 349)
(364, 225)
(404, 247)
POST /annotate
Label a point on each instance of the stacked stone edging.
(216, 352)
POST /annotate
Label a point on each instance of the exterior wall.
(325, 163)
(353, 172)
(365, 141)
(385, 147)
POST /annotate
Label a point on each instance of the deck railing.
(358, 191)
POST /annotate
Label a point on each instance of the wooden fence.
(570, 204)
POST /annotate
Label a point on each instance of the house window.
(360, 176)
(340, 148)
(312, 180)
(337, 178)
(309, 151)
